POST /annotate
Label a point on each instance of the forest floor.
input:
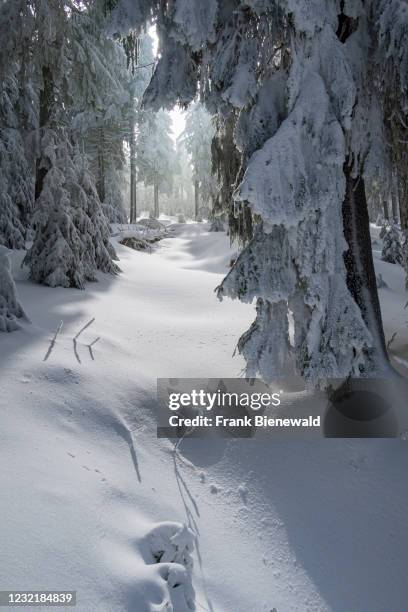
(285, 526)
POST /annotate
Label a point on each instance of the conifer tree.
(98, 89)
(156, 155)
(197, 137)
(11, 310)
(304, 88)
(17, 122)
(392, 251)
(137, 84)
(72, 233)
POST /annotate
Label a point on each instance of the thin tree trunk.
(361, 279)
(133, 176)
(100, 184)
(394, 199)
(385, 210)
(45, 111)
(196, 198)
(156, 199)
(403, 201)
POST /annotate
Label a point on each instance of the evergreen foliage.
(392, 251)
(11, 310)
(300, 93)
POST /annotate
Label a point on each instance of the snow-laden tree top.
(305, 84)
(308, 92)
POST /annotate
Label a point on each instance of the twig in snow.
(90, 347)
(76, 349)
(53, 341)
(84, 328)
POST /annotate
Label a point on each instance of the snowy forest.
(200, 188)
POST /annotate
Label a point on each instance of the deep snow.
(291, 526)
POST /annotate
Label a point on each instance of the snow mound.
(171, 546)
(152, 224)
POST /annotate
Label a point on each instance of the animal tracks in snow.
(87, 468)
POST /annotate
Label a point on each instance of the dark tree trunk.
(385, 210)
(196, 199)
(361, 279)
(100, 183)
(156, 199)
(133, 176)
(403, 201)
(394, 199)
(45, 112)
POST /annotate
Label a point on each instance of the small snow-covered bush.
(10, 307)
(392, 246)
(137, 244)
(152, 224)
(181, 218)
(171, 545)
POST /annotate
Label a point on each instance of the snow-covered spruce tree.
(392, 245)
(72, 233)
(16, 122)
(183, 190)
(98, 89)
(16, 193)
(305, 81)
(227, 168)
(137, 83)
(10, 308)
(72, 239)
(392, 19)
(197, 138)
(156, 154)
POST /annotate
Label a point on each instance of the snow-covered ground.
(88, 493)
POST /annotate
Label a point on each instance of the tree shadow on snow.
(46, 308)
(343, 505)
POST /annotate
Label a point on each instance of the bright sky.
(177, 115)
(179, 121)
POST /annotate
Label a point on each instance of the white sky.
(177, 115)
(179, 121)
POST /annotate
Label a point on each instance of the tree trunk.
(403, 201)
(100, 183)
(385, 210)
(45, 112)
(156, 199)
(196, 198)
(361, 279)
(394, 199)
(133, 176)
